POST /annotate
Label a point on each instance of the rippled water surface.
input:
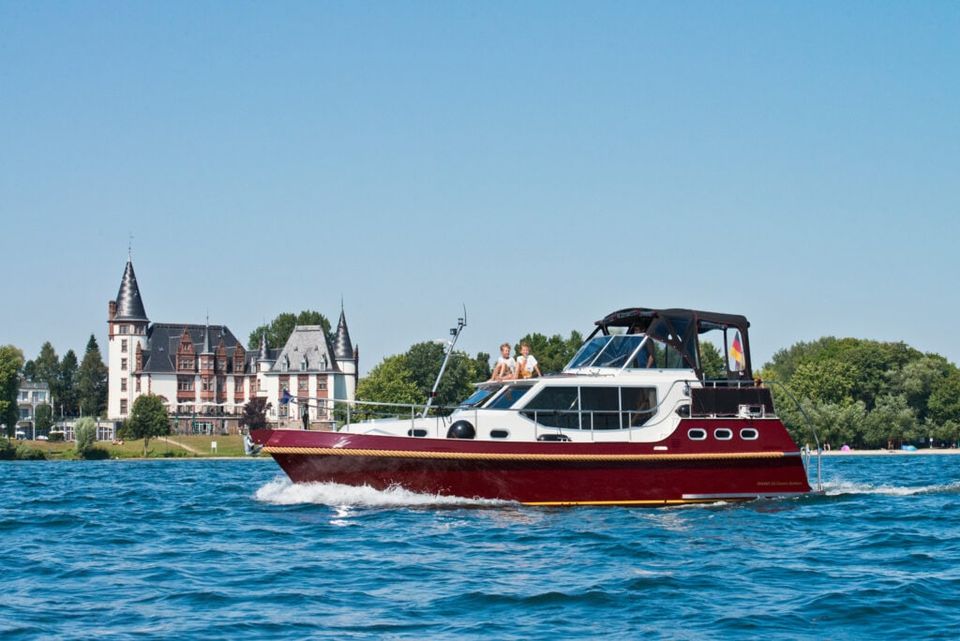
(231, 550)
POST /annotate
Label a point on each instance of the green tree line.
(75, 387)
(866, 394)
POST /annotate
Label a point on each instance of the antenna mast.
(455, 332)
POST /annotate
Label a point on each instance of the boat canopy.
(681, 329)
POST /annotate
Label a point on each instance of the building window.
(137, 386)
(123, 406)
(123, 346)
(322, 384)
(123, 364)
(184, 383)
(124, 329)
(303, 385)
(24, 396)
(123, 385)
(206, 385)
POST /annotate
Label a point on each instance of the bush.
(96, 454)
(86, 431)
(56, 436)
(27, 453)
(8, 451)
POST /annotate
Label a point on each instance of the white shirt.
(529, 363)
(509, 362)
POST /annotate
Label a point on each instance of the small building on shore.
(30, 396)
(205, 376)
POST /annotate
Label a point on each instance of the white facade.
(205, 375)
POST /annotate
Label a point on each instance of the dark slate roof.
(129, 303)
(342, 347)
(163, 339)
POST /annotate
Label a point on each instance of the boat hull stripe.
(513, 456)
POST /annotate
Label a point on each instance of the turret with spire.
(128, 326)
(345, 354)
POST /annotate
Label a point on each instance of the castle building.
(204, 375)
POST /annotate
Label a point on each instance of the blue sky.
(543, 163)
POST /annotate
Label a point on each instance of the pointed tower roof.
(342, 347)
(206, 340)
(264, 355)
(129, 303)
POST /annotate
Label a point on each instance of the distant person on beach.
(506, 367)
(527, 363)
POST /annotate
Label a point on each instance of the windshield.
(479, 396)
(588, 351)
(618, 350)
(510, 395)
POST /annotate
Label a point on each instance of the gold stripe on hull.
(512, 456)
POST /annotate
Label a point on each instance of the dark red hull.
(676, 470)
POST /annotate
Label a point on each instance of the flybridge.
(677, 333)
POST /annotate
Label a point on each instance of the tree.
(711, 361)
(826, 381)
(148, 419)
(254, 415)
(11, 360)
(891, 422)
(29, 371)
(92, 381)
(43, 419)
(86, 431)
(68, 384)
(944, 403)
(279, 329)
(47, 366)
(389, 382)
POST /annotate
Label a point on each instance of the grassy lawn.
(156, 448)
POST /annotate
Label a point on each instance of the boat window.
(618, 350)
(554, 407)
(588, 352)
(510, 395)
(601, 407)
(749, 434)
(722, 434)
(499, 433)
(638, 404)
(417, 432)
(697, 434)
(479, 396)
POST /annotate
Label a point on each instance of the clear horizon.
(542, 164)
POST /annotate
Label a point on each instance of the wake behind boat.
(632, 420)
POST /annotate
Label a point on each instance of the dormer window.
(303, 364)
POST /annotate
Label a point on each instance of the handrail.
(813, 431)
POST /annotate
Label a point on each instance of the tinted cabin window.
(601, 405)
(510, 395)
(554, 407)
(638, 405)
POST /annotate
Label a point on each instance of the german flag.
(736, 353)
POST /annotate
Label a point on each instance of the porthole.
(749, 434)
(416, 432)
(723, 434)
(499, 433)
(696, 434)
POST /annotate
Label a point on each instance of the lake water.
(231, 550)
